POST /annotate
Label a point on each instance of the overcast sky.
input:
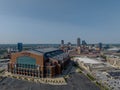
(49, 21)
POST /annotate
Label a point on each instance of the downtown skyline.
(50, 21)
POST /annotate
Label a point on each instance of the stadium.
(48, 62)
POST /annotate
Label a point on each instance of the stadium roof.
(42, 51)
(45, 50)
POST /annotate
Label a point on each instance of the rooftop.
(89, 60)
(114, 49)
(45, 50)
(42, 51)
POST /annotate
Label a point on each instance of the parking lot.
(110, 82)
(75, 82)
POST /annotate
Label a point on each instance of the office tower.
(20, 47)
(62, 43)
(78, 42)
(78, 46)
(69, 44)
(107, 46)
(84, 43)
(100, 46)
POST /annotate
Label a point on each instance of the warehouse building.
(47, 62)
(91, 64)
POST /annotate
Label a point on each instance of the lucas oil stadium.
(48, 62)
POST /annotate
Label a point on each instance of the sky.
(50, 21)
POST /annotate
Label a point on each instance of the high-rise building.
(84, 43)
(20, 47)
(78, 42)
(100, 46)
(69, 44)
(62, 42)
(107, 46)
(78, 46)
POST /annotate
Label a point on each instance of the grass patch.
(14, 76)
(77, 66)
(20, 78)
(98, 83)
(101, 86)
(25, 78)
(2, 71)
(90, 77)
(80, 68)
(79, 71)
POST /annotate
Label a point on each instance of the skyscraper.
(78, 46)
(20, 47)
(84, 43)
(100, 46)
(62, 42)
(69, 44)
(78, 42)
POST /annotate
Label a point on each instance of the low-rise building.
(114, 60)
(91, 64)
